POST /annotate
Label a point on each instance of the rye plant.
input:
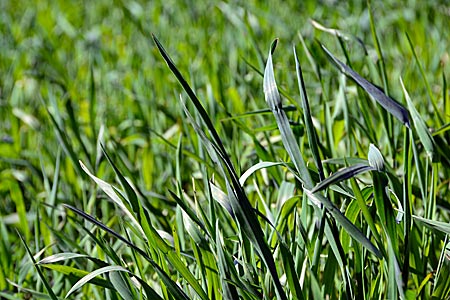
(332, 186)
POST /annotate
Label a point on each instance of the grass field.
(224, 150)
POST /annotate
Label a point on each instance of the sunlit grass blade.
(256, 167)
(375, 158)
(389, 104)
(419, 124)
(273, 100)
(109, 190)
(93, 275)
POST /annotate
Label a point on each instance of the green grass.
(177, 150)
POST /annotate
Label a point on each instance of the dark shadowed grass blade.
(190, 93)
(241, 207)
(174, 289)
(273, 100)
(389, 104)
(341, 175)
(312, 136)
(38, 269)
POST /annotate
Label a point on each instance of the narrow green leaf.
(111, 192)
(290, 269)
(60, 257)
(424, 78)
(131, 194)
(239, 201)
(78, 274)
(121, 285)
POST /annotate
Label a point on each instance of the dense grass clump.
(182, 150)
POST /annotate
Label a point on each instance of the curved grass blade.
(274, 101)
(375, 158)
(254, 168)
(389, 104)
(341, 175)
(109, 190)
(173, 288)
(93, 275)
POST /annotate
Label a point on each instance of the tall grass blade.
(389, 104)
(273, 99)
(419, 124)
(241, 206)
(343, 221)
(311, 132)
